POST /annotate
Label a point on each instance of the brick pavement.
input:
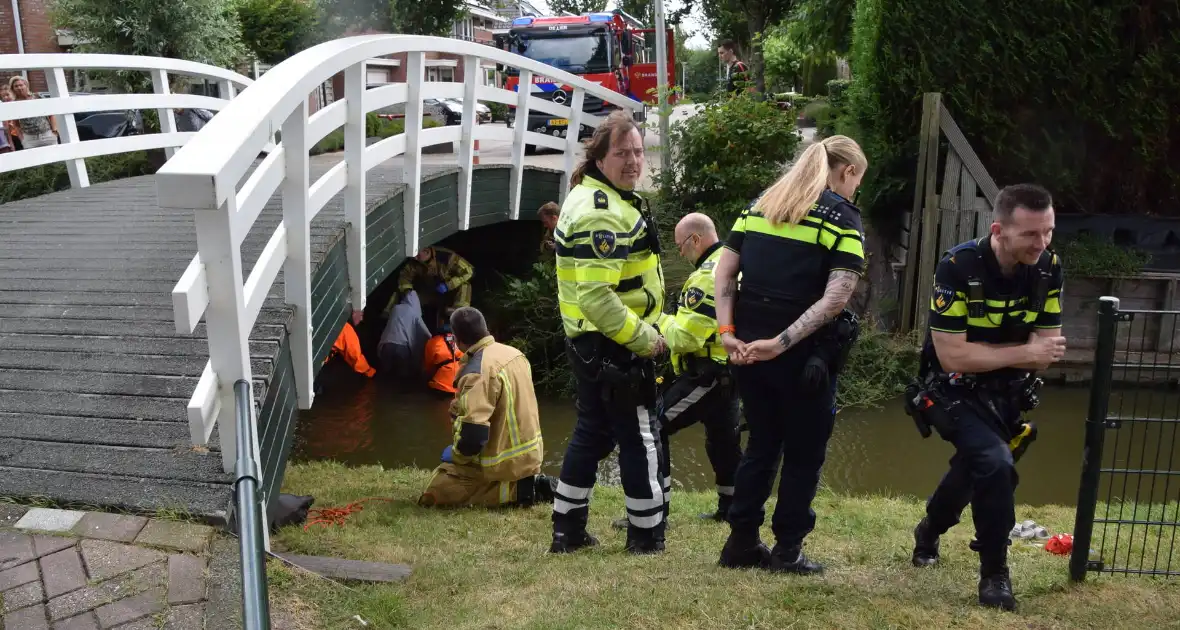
(67, 570)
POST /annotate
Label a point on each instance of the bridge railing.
(211, 176)
(64, 105)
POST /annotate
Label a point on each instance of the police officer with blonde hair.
(611, 291)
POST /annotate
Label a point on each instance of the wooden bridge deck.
(93, 376)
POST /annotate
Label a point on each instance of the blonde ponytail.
(790, 198)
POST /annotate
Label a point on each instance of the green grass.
(488, 569)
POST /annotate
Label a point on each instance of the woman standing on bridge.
(38, 131)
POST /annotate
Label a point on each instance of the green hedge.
(42, 180)
(1078, 96)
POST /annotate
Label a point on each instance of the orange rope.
(327, 517)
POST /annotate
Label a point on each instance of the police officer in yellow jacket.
(611, 292)
(495, 457)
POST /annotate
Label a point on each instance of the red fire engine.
(606, 48)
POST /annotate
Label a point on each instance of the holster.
(831, 347)
(929, 408)
(621, 372)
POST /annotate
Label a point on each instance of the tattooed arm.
(841, 284)
(725, 286)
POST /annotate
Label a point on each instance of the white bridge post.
(297, 268)
(412, 171)
(67, 128)
(520, 125)
(355, 206)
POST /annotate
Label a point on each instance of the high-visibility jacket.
(497, 426)
(445, 266)
(693, 329)
(608, 266)
(441, 364)
(348, 347)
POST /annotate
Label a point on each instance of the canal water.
(873, 451)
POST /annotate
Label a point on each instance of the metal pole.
(255, 596)
(662, 83)
(1108, 316)
(20, 36)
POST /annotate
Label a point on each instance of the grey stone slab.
(19, 576)
(31, 618)
(16, 548)
(178, 464)
(189, 617)
(23, 596)
(202, 500)
(62, 572)
(103, 593)
(45, 545)
(105, 559)
(175, 535)
(131, 608)
(97, 383)
(186, 579)
(48, 519)
(100, 431)
(224, 608)
(115, 527)
(10, 513)
(85, 621)
(350, 569)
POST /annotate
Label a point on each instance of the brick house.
(36, 35)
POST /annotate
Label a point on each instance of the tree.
(725, 16)
(577, 7)
(276, 29)
(783, 59)
(338, 17)
(206, 31)
(424, 17)
(824, 26)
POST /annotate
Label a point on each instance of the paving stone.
(15, 548)
(18, 576)
(177, 618)
(45, 545)
(175, 535)
(131, 608)
(10, 514)
(49, 520)
(21, 596)
(103, 593)
(186, 579)
(31, 618)
(106, 559)
(85, 621)
(116, 527)
(224, 608)
(62, 572)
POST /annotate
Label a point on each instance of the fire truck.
(611, 49)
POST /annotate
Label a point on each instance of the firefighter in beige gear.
(495, 457)
(610, 291)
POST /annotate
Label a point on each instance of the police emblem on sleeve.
(603, 242)
(600, 200)
(942, 298)
(693, 297)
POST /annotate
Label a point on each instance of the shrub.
(527, 308)
(375, 127)
(879, 368)
(731, 150)
(42, 180)
(499, 110)
(1087, 255)
(1029, 104)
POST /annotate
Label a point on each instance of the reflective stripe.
(637, 267)
(646, 522)
(725, 490)
(649, 450)
(627, 332)
(512, 453)
(640, 505)
(1053, 305)
(513, 428)
(572, 492)
(505, 492)
(688, 401)
(565, 507)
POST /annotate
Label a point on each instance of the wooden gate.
(940, 218)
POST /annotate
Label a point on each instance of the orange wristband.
(721, 330)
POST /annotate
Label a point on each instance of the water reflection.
(363, 421)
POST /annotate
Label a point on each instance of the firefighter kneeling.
(495, 458)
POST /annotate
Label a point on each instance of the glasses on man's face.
(681, 244)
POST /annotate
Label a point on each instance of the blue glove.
(442, 287)
(446, 454)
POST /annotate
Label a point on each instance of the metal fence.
(250, 518)
(1127, 515)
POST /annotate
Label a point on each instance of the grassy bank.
(488, 569)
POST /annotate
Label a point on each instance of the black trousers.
(706, 400)
(611, 413)
(982, 473)
(787, 422)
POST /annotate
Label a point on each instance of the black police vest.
(970, 263)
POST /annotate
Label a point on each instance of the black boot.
(544, 487)
(995, 590)
(722, 513)
(792, 560)
(569, 543)
(744, 552)
(925, 546)
(645, 541)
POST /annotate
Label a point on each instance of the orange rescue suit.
(348, 346)
(441, 364)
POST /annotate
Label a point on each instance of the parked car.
(108, 124)
(432, 109)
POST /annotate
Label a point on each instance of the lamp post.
(662, 82)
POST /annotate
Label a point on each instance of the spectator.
(38, 131)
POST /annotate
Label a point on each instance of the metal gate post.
(1108, 315)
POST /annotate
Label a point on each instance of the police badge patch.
(603, 242)
(942, 298)
(693, 297)
(600, 200)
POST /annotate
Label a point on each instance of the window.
(578, 54)
(440, 74)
